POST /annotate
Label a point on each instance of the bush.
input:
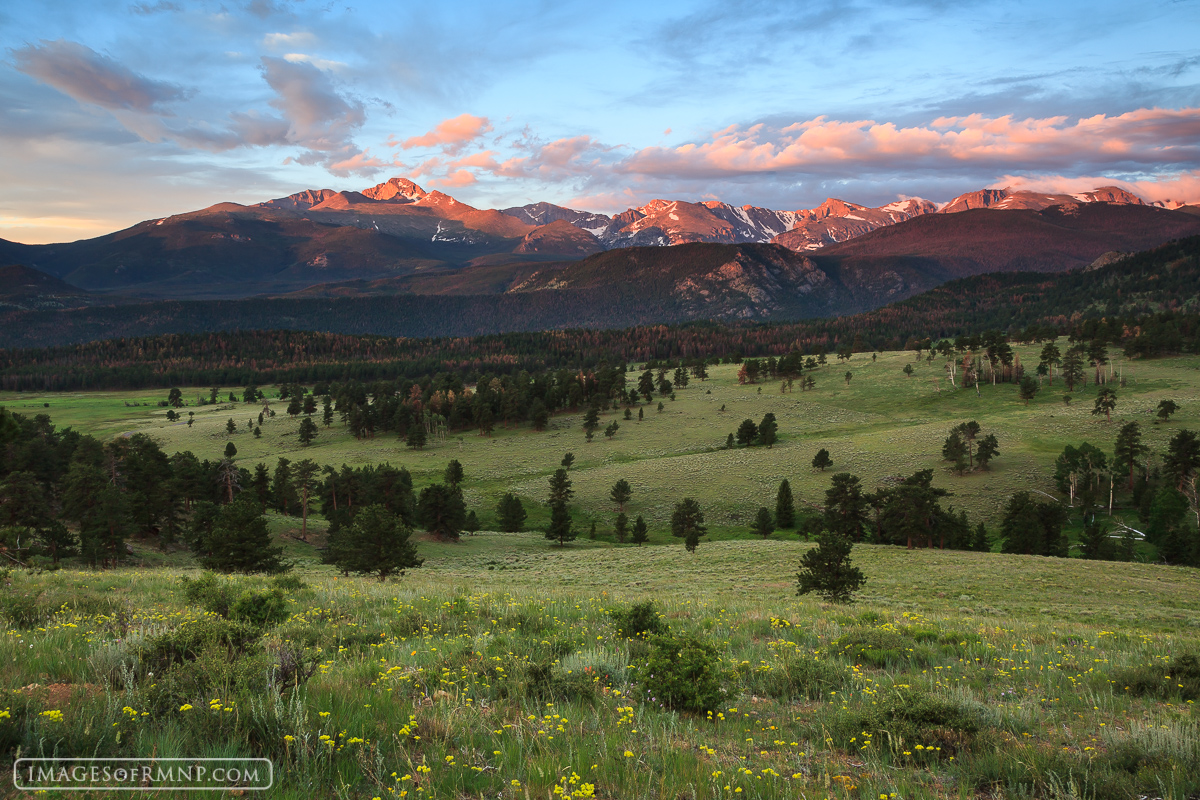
(263, 609)
(210, 593)
(288, 582)
(680, 673)
(877, 647)
(641, 619)
(905, 718)
(1180, 678)
(193, 637)
(797, 677)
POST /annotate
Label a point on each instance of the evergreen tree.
(620, 494)
(955, 451)
(567, 460)
(1033, 527)
(441, 511)
(454, 474)
(416, 435)
(846, 507)
(591, 421)
(981, 543)
(1106, 401)
(309, 405)
(560, 488)
(1072, 368)
(768, 430)
(304, 481)
(1128, 451)
(377, 541)
(785, 506)
(747, 432)
(471, 525)
(511, 513)
(538, 415)
(687, 523)
(640, 534)
(1182, 460)
(1027, 388)
(175, 398)
(763, 525)
(231, 426)
(612, 429)
(621, 527)
(327, 411)
(240, 541)
(282, 494)
(230, 450)
(1096, 544)
(988, 449)
(260, 485)
(827, 570)
(729, 442)
(308, 430)
(560, 529)
(295, 405)
(1166, 408)
(821, 460)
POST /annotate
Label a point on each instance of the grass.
(496, 670)
(881, 425)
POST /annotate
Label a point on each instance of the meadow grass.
(883, 424)
(495, 670)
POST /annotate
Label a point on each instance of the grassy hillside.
(882, 424)
(497, 670)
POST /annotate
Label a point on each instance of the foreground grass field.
(880, 425)
(496, 670)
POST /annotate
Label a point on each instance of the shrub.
(263, 609)
(189, 640)
(681, 673)
(641, 619)
(1180, 678)
(904, 718)
(797, 677)
(22, 610)
(545, 682)
(877, 647)
(288, 582)
(210, 593)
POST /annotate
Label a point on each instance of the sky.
(116, 112)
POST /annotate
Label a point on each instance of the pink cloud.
(821, 145)
(455, 179)
(1172, 190)
(452, 135)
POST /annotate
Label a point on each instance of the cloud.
(1146, 137)
(89, 77)
(283, 40)
(320, 119)
(452, 135)
(1171, 189)
(456, 179)
(146, 9)
(319, 63)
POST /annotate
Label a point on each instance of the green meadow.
(882, 424)
(509, 667)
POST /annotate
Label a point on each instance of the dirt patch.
(60, 695)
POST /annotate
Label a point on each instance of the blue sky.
(114, 112)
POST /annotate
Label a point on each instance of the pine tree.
(327, 411)
(231, 426)
(377, 541)
(416, 435)
(304, 480)
(768, 430)
(687, 523)
(988, 449)
(230, 450)
(821, 460)
(567, 460)
(560, 529)
(1128, 451)
(440, 510)
(560, 488)
(955, 451)
(240, 541)
(620, 494)
(747, 432)
(1106, 401)
(640, 534)
(511, 513)
(763, 525)
(785, 506)
(308, 431)
(1028, 388)
(621, 527)
(827, 570)
(454, 474)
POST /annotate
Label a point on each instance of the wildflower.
(186, 707)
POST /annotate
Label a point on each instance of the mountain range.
(546, 266)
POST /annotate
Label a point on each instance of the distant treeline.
(1147, 303)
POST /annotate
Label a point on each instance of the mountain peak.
(400, 190)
